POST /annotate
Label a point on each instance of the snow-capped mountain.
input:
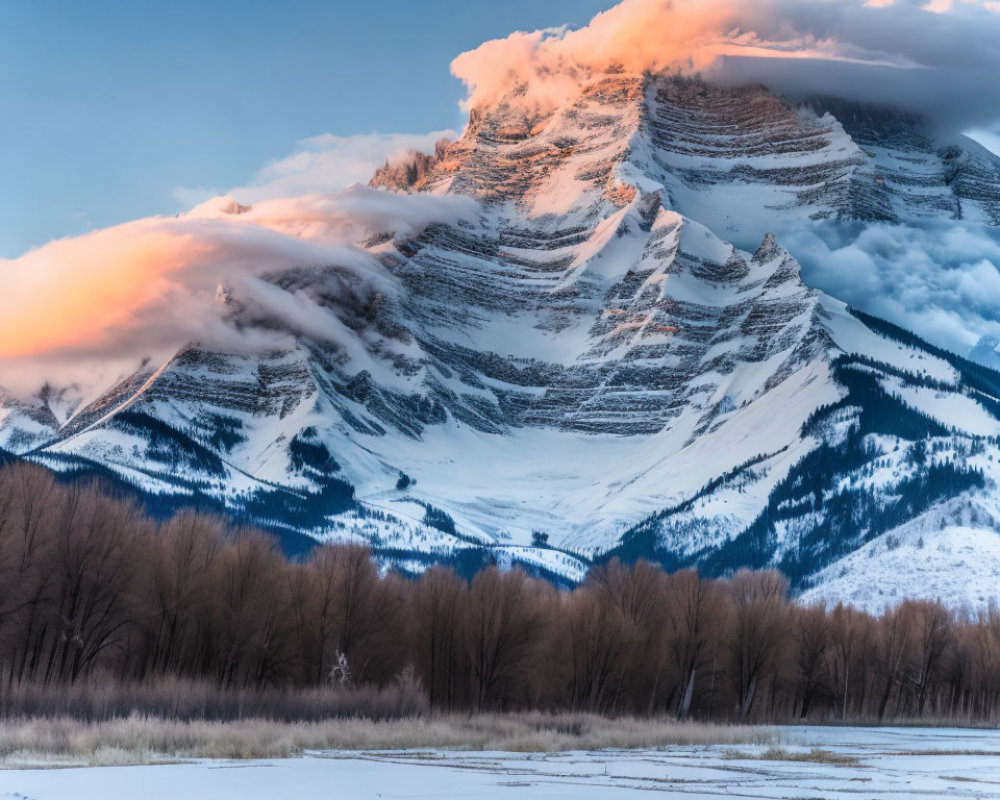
(584, 355)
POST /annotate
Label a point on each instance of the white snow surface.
(852, 336)
(949, 553)
(955, 411)
(891, 763)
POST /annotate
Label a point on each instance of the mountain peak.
(590, 352)
(769, 249)
(741, 160)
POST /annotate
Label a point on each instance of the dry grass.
(814, 756)
(100, 698)
(144, 740)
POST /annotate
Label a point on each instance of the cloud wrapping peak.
(145, 288)
(938, 58)
(322, 164)
(935, 57)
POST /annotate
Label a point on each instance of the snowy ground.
(891, 763)
(951, 553)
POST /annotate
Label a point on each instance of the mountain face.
(586, 356)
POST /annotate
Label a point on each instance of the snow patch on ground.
(853, 337)
(956, 411)
(879, 764)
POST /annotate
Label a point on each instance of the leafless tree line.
(92, 589)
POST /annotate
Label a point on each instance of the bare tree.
(503, 624)
(933, 639)
(894, 647)
(759, 628)
(440, 598)
(811, 632)
(599, 643)
(695, 614)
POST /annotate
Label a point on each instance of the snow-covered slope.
(581, 355)
(950, 552)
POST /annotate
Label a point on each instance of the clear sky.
(109, 106)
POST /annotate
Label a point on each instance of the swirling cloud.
(938, 57)
(142, 289)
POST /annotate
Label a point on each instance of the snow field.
(820, 763)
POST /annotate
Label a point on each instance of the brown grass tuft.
(144, 740)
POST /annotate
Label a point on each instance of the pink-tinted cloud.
(924, 54)
(147, 287)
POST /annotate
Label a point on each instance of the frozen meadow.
(804, 762)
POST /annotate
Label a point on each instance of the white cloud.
(145, 288)
(96, 305)
(940, 281)
(321, 164)
(940, 58)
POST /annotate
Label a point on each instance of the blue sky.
(119, 109)
(110, 106)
